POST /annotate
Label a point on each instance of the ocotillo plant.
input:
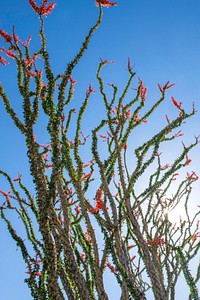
(87, 218)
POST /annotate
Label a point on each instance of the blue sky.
(162, 39)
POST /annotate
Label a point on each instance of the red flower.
(17, 178)
(99, 202)
(179, 133)
(167, 118)
(188, 160)
(90, 90)
(77, 209)
(86, 176)
(105, 3)
(177, 104)
(17, 40)
(8, 52)
(103, 136)
(88, 237)
(73, 82)
(44, 9)
(15, 37)
(36, 261)
(137, 119)
(125, 146)
(27, 43)
(165, 166)
(86, 165)
(34, 273)
(6, 194)
(112, 268)
(71, 144)
(106, 61)
(193, 176)
(49, 165)
(133, 257)
(82, 256)
(6, 36)
(128, 113)
(129, 65)
(195, 236)
(114, 111)
(60, 218)
(165, 87)
(3, 61)
(143, 92)
(31, 61)
(174, 176)
(158, 241)
(32, 74)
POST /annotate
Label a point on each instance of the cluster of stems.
(91, 217)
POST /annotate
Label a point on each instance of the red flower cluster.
(5, 35)
(17, 40)
(188, 160)
(86, 176)
(82, 256)
(193, 176)
(34, 273)
(174, 176)
(9, 53)
(18, 178)
(143, 90)
(88, 237)
(99, 202)
(73, 82)
(3, 61)
(31, 61)
(195, 236)
(158, 241)
(90, 90)
(128, 113)
(112, 268)
(165, 167)
(137, 119)
(105, 3)
(77, 209)
(125, 146)
(165, 87)
(44, 9)
(179, 133)
(6, 194)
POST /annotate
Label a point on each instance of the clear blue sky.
(162, 38)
